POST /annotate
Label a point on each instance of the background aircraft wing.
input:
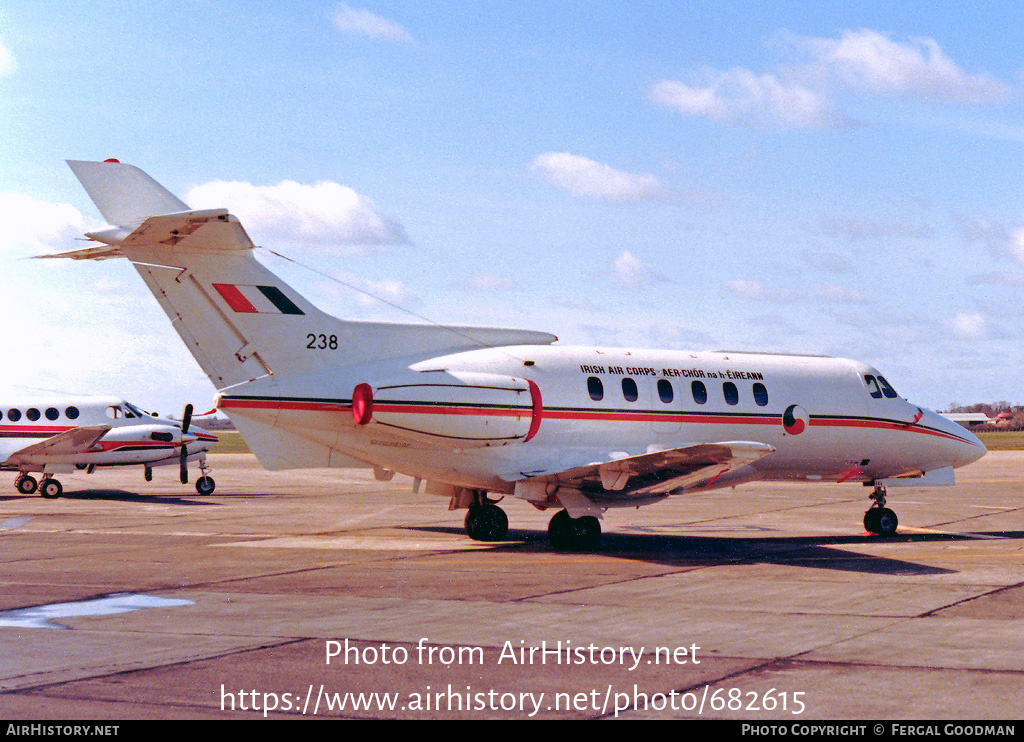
(76, 440)
(658, 473)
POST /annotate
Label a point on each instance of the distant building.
(968, 419)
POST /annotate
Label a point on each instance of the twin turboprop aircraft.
(481, 411)
(61, 434)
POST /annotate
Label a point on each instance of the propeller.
(186, 421)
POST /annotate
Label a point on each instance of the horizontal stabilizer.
(125, 195)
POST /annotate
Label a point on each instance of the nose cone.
(963, 446)
(198, 439)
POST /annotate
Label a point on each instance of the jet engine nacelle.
(457, 408)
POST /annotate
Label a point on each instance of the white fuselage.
(827, 418)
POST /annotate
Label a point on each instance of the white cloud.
(969, 326)
(742, 97)
(800, 96)
(859, 229)
(871, 61)
(633, 272)
(750, 289)
(491, 282)
(835, 292)
(38, 226)
(325, 214)
(585, 178)
(364, 23)
(7, 63)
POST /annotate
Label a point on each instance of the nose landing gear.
(878, 518)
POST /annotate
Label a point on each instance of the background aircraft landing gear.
(486, 522)
(878, 518)
(50, 488)
(205, 483)
(26, 484)
(574, 534)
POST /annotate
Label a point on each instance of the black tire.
(26, 485)
(574, 534)
(871, 520)
(51, 489)
(486, 523)
(887, 522)
(205, 485)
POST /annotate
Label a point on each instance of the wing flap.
(654, 474)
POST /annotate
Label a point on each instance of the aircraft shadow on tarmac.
(121, 496)
(815, 552)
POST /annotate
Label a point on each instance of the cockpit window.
(133, 411)
(114, 412)
(887, 390)
(873, 386)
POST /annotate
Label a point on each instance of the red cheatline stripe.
(235, 299)
(583, 415)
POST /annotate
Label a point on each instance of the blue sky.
(837, 178)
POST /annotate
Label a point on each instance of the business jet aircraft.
(61, 434)
(476, 411)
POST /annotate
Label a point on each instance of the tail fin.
(238, 319)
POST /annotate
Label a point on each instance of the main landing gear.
(49, 488)
(574, 534)
(878, 518)
(485, 521)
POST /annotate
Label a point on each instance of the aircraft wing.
(649, 475)
(76, 440)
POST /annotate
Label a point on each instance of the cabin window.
(760, 395)
(887, 390)
(32, 414)
(71, 412)
(732, 394)
(700, 392)
(872, 386)
(596, 388)
(665, 393)
(51, 413)
(629, 390)
(13, 415)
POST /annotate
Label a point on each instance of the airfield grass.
(1009, 440)
(1003, 440)
(230, 441)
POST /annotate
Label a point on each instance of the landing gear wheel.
(205, 485)
(887, 522)
(26, 485)
(882, 521)
(574, 534)
(486, 523)
(50, 489)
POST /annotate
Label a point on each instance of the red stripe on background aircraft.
(475, 411)
(54, 435)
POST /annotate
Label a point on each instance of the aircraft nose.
(965, 446)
